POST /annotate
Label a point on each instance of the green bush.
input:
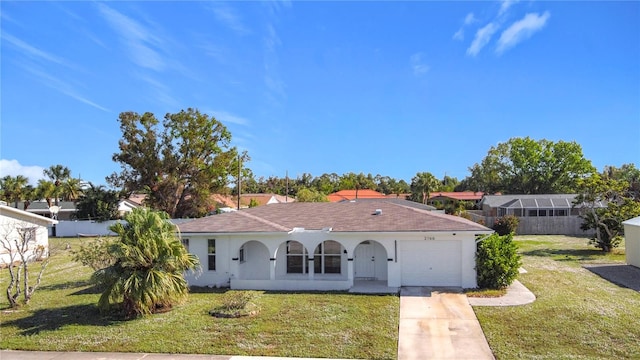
(95, 254)
(235, 304)
(497, 262)
(507, 224)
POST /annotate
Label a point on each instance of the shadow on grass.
(208, 290)
(56, 318)
(66, 285)
(567, 254)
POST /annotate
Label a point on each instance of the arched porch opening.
(253, 261)
(370, 261)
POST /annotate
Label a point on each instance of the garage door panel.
(431, 263)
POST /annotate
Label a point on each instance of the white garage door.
(430, 263)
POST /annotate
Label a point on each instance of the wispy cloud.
(470, 19)
(276, 87)
(229, 18)
(418, 65)
(227, 117)
(143, 45)
(62, 86)
(14, 168)
(161, 92)
(482, 38)
(36, 53)
(505, 5)
(522, 30)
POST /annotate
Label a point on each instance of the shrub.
(497, 262)
(507, 224)
(95, 254)
(235, 304)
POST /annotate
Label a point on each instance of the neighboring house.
(329, 246)
(455, 196)
(632, 241)
(16, 224)
(126, 206)
(226, 203)
(66, 209)
(343, 195)
(552, 214)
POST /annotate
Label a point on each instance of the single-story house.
(343, 195)
(65, 210)
(329, 246)
(538, 214)
(445, 197)
(20, 225)
(632, 241)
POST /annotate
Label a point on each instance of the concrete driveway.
(439, 323)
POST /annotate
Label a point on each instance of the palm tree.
(46, 190)
(57, 174)
(13, 188)
(71, 189)
(422, 185)
(147, 276)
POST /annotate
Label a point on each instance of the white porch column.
(272, 269)
(311, 270)
(350, 271)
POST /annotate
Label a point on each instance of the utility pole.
(239, 179)
(286, 192)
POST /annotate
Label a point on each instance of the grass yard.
(577, 314)
(62, 316)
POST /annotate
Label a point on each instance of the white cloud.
(483, 35)
(226, 117)
(140, 40)
(14, 168)
(418, 65)
(229, 17)
(522, 30)
(470, 19)
(35, 52)
(505, 5)
(459, 35)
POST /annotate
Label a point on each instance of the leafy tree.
(310, 195)
(57, 174)
(422, 185)
(95, 254)
(497, 262)
(628, 173)
(147, 276)
(98, 203)
(526, 166)
(179, 164)
(596, 191)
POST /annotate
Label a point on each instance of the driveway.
(439, 323)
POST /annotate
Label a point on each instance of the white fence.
(71, 228)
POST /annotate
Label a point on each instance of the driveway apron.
(439, 323)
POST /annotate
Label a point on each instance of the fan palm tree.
(422, 185)
(71, 189)
(46, 190)
(13, 188)
(147, 276)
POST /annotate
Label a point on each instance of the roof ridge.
(455, 218)
(262, 220)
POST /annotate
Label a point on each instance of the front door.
(365, 261)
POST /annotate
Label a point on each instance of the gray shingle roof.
(358, 216)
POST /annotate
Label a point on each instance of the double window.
(327, 258)
(297, 258)
(211, 254)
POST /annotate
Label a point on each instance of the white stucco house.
(330, 246)
(16, 224)
(632, 241)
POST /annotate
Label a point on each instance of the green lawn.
(62, 316)
(577, 314)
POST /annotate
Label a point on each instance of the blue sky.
(391, 88)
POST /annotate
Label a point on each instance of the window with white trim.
(328, 258)
(297, 258)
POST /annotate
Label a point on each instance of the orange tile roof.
(351, 195)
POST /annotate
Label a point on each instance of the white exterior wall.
(632, 241)
(11, 220)
(272, 276)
